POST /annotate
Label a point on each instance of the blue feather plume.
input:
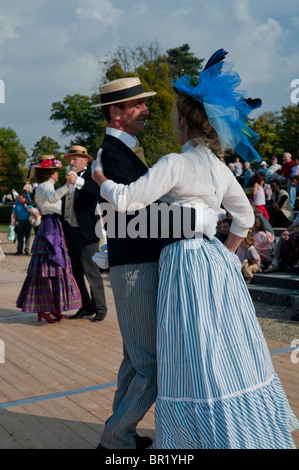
(254, 102)
(217, 57)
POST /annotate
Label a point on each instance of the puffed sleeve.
(52, 195)
(159, 180)
(237, 204)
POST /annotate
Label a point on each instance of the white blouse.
(48, 199)
(194, 177)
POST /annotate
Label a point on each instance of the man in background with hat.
(133, 268)
(79, 221)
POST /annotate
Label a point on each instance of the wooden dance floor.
(57, 381)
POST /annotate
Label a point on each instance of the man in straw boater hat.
(79, 221)
(133, 268)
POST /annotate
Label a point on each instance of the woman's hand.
(96, 170)
(98, 177)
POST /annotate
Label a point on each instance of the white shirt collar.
(128, 139)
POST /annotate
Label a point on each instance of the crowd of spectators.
(273, 190)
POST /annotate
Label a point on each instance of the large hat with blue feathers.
(226, 108)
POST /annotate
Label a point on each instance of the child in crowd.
(257, 195)
(263, 241)
(249, 257)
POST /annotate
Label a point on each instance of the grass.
(4, 227)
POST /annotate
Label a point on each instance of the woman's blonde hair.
(198, 123)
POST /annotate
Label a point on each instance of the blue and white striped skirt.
(217, 388)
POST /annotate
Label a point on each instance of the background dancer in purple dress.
(50, 287)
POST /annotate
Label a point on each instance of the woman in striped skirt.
(50, 287)
(217, 388)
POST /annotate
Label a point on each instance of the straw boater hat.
(123, 89)
(78, 151)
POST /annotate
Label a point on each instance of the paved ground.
(58, 381)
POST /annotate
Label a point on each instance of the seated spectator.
(280, 211)
(285, 171)
(225, 228)
(263, 241)
(272, 168)
(287, 257)
(231, 166)
(249, 257)
(257, 195)
(264, 167)
(238, 167)
(295, 168)
(245, 176)
(267, 225)
(293, 189)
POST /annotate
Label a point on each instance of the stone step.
(275, 296)
(279, 288)
(279, 279)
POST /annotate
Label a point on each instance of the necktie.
(139, 152)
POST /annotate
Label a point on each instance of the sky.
(53, 48)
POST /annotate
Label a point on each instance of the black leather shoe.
(141, 442)
(102, 447)
(99, 315)
(81, 313)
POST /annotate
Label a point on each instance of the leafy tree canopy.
(183, 62)
(12, 161)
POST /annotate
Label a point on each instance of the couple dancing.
(192, 325)
(192, 342)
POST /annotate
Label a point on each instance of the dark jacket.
(121, 165)
(85, 202)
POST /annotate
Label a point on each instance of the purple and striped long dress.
(50, 285)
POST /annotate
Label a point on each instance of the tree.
(269, 142)
(288, 129)
(278, 132)
(151, 66)
(183, 62)
(48, 146)
(80, 120)
(12, 168)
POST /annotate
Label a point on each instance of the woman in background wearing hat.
(217, 387)
(49, 287)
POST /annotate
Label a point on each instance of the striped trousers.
(135, 289)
